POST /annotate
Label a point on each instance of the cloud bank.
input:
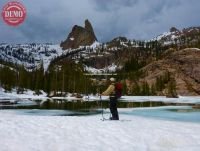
(51, 21)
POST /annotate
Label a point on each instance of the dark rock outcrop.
(173, 29)
(79, 36)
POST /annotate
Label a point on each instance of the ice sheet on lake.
(181, 99)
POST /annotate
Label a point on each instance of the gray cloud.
(51, 21)
(112, 5)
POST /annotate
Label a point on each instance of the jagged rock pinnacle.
(80, 36)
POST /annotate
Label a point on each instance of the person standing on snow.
(113, 99)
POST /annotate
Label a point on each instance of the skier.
(113, 99)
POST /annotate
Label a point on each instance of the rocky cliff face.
(79, 36)
(184, 67)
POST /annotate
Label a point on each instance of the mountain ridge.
(142, 63)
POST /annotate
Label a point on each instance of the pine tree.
(145, 89)
(7, 78)
(172, 88)
(136, 89)
(160, 83)
(153, 89)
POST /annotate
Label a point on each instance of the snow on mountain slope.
(167, 38)
(175, 36)
(29, 55)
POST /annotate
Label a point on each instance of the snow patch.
(95, 44)
(72, 38)
(109, 69)
(197, 49)
(165, 34)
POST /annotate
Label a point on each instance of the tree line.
(57, 80)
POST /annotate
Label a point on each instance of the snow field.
(89, 133)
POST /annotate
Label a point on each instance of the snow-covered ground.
(89, 133)
(28, 94)
(140, 130)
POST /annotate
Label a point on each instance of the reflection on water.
(78, 105)
(84, 108)
(189, 110)
(43, 112)
(56, 108)
(70, 108)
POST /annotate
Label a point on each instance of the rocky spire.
(89, 28)
(79, 36)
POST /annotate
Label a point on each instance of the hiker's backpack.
(118, 89)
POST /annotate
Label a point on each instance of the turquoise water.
(43, 112)
(174, 113)
(156, 110)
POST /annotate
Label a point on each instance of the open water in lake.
(158, 110)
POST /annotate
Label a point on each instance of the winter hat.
(112, 79)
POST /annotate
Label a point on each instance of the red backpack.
(118, 89)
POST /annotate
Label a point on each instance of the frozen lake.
(76, 125)
(148, 109)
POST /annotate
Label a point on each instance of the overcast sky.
(52, 20)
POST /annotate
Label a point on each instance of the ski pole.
(102, 108)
